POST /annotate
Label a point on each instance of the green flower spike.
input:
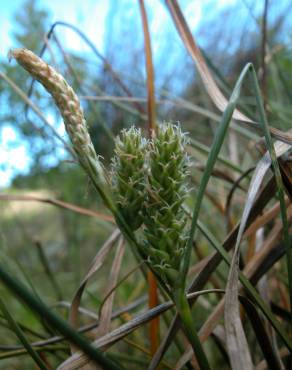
(165, 220)
(129, 174)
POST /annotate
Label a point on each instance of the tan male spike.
(69, 106)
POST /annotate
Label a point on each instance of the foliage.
(63, 259)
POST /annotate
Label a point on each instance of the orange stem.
(153, 296)
(149, 72)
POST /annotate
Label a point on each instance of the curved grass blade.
(189, 42)
(220, 135)
(248, 286)
(213, 261)
(279, 182)
(253, 294)
(16, 329)
(106, 311)
(96, 264)
(236, 341)
(80, 359)
(260, 333)
(214, 92)
(55, 321)
(86, 328)
(212, 157)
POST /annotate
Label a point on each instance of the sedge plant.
(145, 189)
(150, 182)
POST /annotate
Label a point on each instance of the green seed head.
(164, 217)
(128, 175)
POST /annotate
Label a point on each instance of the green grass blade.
(236, 338)
(189, 327)
(16, 329)
(212, 157)
(278, 178)
(50, 274)
(248, 286)
(55, 321)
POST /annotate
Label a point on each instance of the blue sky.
(90, 16)
(86, 14)
(15, 155)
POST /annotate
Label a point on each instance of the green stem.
(212, 157)
(15, 327)
(48, 270)
(56, 322)
(189, 328)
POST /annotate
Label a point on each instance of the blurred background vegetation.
(111, 84)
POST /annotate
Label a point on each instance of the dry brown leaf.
(106, 311)
(212, 89)
(96, 264)
(249, 271)
(80, 359)
(58, 203)
(237, 346)
(214, 92)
